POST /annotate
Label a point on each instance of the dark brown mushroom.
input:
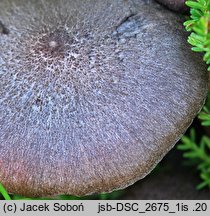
(175, 5)
(93, 93)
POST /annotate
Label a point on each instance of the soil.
(170, 180)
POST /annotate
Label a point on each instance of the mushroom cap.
(175, 5)
(93, 93)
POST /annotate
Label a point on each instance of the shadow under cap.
(93, 94)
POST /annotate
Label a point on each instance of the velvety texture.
(92, 93)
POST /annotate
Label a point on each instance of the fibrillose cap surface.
(93, 93)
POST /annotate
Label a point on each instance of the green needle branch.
(199, 24)
(4, 193)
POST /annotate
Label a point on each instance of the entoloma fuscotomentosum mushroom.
(93, 93)
(175, 5)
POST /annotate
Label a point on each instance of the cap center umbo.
(53, 44)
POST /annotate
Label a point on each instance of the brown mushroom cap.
(93, 93)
